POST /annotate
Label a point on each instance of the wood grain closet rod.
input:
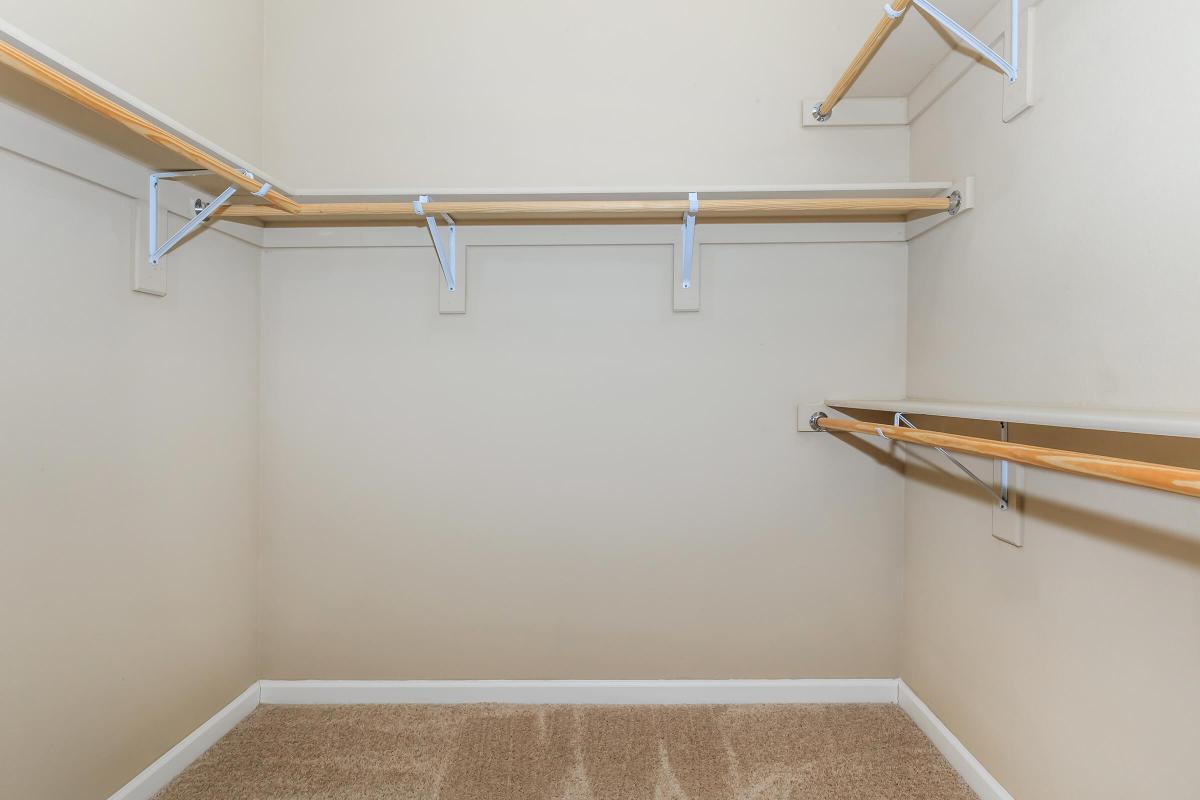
(878, 36)
(72, 89)
(1137, 473)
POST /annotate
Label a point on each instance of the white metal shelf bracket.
(1004, 470)
(685, 273)
(1007, 66)
(689, 238)
(1001, 495)
(1008, 518)
(447, 253)
(156, 251)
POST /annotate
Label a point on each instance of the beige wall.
(199, 63)
(1068, 667)
(128, 466)
(571, 481)
(544, 93)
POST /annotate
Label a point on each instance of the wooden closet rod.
(1138, 473)
(72, 89)
(878, 36)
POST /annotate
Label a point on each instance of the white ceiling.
(912, 50)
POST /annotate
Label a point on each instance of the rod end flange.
(818, 116)
(814, 421)
(955, 202)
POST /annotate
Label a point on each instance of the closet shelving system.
(265, 204)
(893, 13)
(251, 198)
(1163, 477)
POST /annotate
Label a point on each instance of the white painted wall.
(1068, 667)
(199, 63)
(545, 93)
(572, 481)
(535, 94)
(128, 476)
(401, 448)
(570, 380)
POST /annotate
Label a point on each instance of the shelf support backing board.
(686, 289)
(683, 298)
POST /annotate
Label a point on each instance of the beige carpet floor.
(505, 752)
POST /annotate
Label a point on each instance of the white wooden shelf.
(263, 202)
(12, 35)
(881, 202)
(722, 191)
(1159, 423)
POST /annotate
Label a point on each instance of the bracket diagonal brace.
(157, 251)
(689, 238)
(1002, 495)
(1008, 67)
(446, 253)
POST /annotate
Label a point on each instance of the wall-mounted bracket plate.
(1008, 524)
(686, 299)
(685, 277)
(455, 302)
(1019, 94)
(1008, 480)
(149, 277)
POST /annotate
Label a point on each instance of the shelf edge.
(1155, 423)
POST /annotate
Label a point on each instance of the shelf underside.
(535, 212)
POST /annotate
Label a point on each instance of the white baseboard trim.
(154, 777)
(869, 690)
(974, 773)
(651, 692)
